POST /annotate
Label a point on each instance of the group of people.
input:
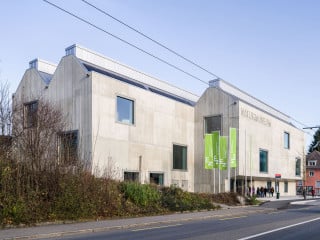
(262, 191)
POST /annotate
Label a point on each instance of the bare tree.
(5, 109)
(36, 127)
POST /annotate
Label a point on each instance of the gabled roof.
(315, 155)
(96, 62)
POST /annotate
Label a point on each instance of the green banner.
(208, 153)
(233, 147)
(216, 148)
(223, 153)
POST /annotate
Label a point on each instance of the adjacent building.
(313, 172)
(131, 126)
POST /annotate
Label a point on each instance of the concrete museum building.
(147, 130)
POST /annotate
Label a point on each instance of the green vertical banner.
(216, 148)
(223, 153)
(233, 147)
(208, 151)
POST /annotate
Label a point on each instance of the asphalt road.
(298, 221)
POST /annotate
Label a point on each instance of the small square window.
(125, 110)
(286, 138)
(311, 173)
(131, 176)
(156, 178)
(179, 157)
(213, 123)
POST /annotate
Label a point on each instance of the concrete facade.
(87, 87)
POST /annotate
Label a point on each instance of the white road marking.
(278, 229)
(150, 228)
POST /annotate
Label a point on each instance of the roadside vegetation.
(29, 197)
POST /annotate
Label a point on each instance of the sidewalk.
(293, 198)
(58, 230)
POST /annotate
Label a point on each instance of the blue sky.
(269, 49)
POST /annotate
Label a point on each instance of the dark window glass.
(131, 176)
(156, 178)
(68, 147)
(30, 114)
(286, 138)
(286, 186)
(298, 167)
(179, 157)
(125, 110)
(263, 161)
(213, 123)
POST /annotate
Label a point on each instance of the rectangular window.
(312, 163)
(179, 157)
(298, 166)
(125, 110)
(286, 138)
(131, 176)
(311, 174)
(30, 114)
(156, 178)
(263, 161)
(285, 186)
(213, 123)
(68, 147)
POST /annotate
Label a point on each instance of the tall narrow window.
(285, 186)
(125, 110)
(68, 151)
(30, 114)
(179, 157)
(286, 138)
(213, 123)
(263, 161)
(298, 166)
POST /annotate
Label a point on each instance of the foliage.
(145, 196)
(315, 144)
(175, 199)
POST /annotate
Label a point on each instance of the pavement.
(68, 229)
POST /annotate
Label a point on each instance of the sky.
(269, 49)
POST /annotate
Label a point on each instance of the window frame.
(62, 155)
(286, 186)
(134, 176)
(298, 160)
(267, 160)
(311, 173)
(183, 165)
(205, 125)
(30, 116)
(160, 182)
(132, 118)
(286, 140)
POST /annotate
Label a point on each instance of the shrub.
(145, 196)
(175, 199)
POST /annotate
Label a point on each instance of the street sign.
(278, 175)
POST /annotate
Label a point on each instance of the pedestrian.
(258, 192)
(272, 191)
(265, 191)
(312, 192)
(261, 191)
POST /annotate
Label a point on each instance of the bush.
(144, 196)
(175, 199)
